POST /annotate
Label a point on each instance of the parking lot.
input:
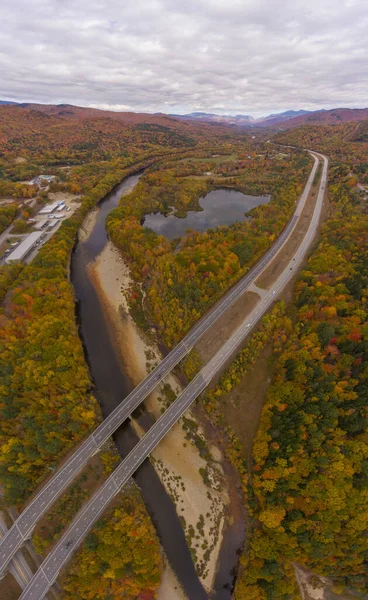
(45, 222)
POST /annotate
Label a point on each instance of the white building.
(24, 247)
(49, 208)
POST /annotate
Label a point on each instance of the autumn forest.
(302, 474)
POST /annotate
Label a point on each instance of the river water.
(111, 385)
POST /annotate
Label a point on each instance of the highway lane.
(85, 519)
(18, 567)
(24, 525)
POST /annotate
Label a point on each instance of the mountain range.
(284, 120)
(247, 120)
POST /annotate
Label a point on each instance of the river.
(111, 385)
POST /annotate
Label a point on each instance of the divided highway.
(24, 525)
(18, 567)
(85, 519)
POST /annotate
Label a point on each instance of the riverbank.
(87, 226)
(170, 588)
(191, 472)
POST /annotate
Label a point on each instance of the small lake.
(220, 207)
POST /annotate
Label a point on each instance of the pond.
(220, 207)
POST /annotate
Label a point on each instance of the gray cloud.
(249, 56)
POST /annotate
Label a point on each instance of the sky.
(177, 56)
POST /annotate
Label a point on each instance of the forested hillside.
(51, 135)
(38, 139)
(310, 472)
(344, 144)
(307, 492)
(7, 216)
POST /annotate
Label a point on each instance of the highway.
(85, 519)
(18, 567)
(24, 525)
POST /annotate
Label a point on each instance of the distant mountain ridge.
(333, 116)
(203, 116)
(242, 119)
(284, 120)
(288, 114)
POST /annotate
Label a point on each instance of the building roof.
(24, 247)
(49, 208)
(40, 224)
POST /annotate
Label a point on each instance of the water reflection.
(220, 207)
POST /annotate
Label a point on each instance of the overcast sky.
(226, 56)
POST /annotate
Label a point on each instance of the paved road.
(24, 525)
(18, 567)
(85, 519)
